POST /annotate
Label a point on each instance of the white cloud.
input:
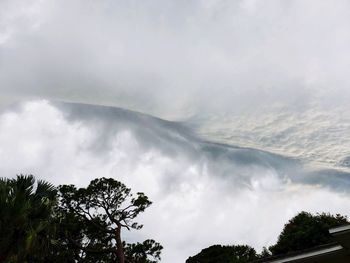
(203, 194)
(178, 58)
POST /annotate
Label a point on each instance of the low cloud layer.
(316, 136)
(203, 193)
(269, 75)
(178, 58)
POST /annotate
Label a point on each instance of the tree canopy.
(306, 231)
(303, 231)
(97, 214)
(26, 217)
(40, 223)
(224, 254)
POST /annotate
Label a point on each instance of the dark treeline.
(43, 223)
(301, 232)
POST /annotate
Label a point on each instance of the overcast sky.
(177, 58)
(268, 75)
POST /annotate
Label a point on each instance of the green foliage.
(224, 254)
(77, 225)
(106, 200)
(306, 231)
(26, 217)
(265, 253)
(146, 252)
(301, 232)
(92, 219)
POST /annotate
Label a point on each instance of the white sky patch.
(195, 204)
(18, 17)
(44, 142)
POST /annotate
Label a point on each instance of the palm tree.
(26, 211)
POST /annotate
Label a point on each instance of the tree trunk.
(120, 249)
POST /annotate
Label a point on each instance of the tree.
(306, 231)
(265, 253)
(224, 254)
(26, 215)
(140, 252)
(93, 219)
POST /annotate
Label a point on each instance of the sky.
(231, 115)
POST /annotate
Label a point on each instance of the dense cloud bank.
(316, 136)
(248, 72)
(178, 58)
(203, 192)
